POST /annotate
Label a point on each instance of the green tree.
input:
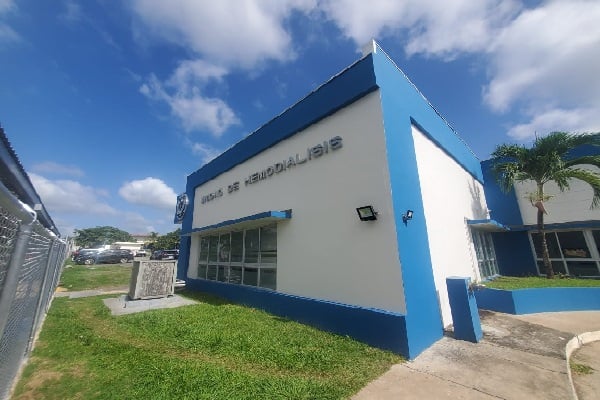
(546, 161)
(168, 241)
(99, 236)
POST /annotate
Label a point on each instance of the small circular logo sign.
(182, 203)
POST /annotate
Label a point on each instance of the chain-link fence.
(31, 259)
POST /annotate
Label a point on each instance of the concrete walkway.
(520, 357)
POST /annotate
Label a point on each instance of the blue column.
(463, 305)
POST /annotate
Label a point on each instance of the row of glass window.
(246, 257)
(486, 255)
(574, 253)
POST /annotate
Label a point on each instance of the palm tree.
(547, 161)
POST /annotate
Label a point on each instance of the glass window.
(235, 274)
(572, 244)
(224, 248)
(211, 272)
(557, 266)
(582, 268)
(213, 248)
(566, 247)
(203, 257)
(251, 276)
(237, 246)
(486, 256)
(223, 273)
(202, 271)
(268, 245)
(596, 237)
(268, 278)
(252, 246)
(550, 240)
(247, 257)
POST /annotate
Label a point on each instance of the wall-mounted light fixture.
(407, 216)
(366, 213)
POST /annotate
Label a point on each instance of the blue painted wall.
(503, 206)
(465, 316)
(514, 254)
(528, 301)
(403, 105)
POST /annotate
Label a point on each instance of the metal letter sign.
(181, 207)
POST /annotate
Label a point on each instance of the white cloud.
(427, 26)
(137, 223)
(229, 32)
(550, 54)
(50, 167)
(6, 5)
(546, 62)
(150, 192)
(543, 61)
(556, 119)
(72, 13)
(69, 196)
(183, 94)
(206, 152)
(7, 34)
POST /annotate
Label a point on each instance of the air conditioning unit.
(152, 279)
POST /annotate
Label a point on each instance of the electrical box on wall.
(152, 279)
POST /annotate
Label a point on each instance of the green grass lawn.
(212, 350)
(510, 282)
(100, 276)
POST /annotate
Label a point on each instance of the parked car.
(111, 256)
(165, 255)
(140, 253)
(81, 252)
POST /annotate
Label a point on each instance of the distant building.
(350, 209)
(133, 246)
(142, 237)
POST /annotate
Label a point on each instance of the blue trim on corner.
(504, 206)
(402, 105)
(465, 317)
(536, 300)
(375, 327)
(270, 215)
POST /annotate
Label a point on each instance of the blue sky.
(110, 105)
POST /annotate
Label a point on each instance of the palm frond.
(590, 160)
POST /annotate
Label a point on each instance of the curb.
(574, 344)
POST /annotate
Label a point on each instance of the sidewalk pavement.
(520, 357)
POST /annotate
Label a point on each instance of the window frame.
(224, 268)
(563, 261)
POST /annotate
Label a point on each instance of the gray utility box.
(152, 279)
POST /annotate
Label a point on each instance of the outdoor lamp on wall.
(407, 216)
(366, 213)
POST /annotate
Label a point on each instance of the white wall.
(324, 251)
(450, 196)
(571, 205)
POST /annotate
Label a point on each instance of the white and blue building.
(350, 209)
